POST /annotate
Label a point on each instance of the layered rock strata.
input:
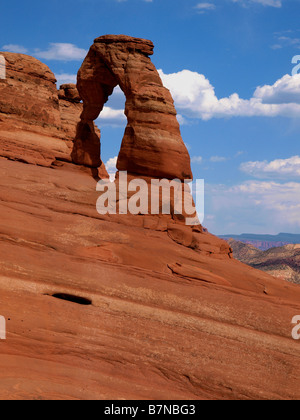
(121, 306)
(38, 123)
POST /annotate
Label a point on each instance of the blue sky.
(228, 64)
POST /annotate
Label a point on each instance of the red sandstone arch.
(152, 144)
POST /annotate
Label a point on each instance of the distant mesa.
(264, 242)
(282, 261)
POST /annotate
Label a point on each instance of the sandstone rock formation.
(152, 143)
(38, 122)
(29, 94)
(70, 107)
(29, 112)
(122, 306)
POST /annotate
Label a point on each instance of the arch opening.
(112, 121)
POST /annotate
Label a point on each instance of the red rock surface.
(172, 315)
(152, 143)
(38, 122)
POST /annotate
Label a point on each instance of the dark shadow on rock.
(86, 147)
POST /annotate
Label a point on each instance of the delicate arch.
(152, 144)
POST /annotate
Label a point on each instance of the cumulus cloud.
(62, 52)
(279, 168)
(285, 90)
(281, 200)
(195, 97)
(112, 117)
(254, 206)
(111, 167)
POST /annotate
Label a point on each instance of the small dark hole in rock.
(73, 299)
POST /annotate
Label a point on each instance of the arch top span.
(143, 45)
(152, 144)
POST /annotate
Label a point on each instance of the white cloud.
(112, 117)
(19, 49)
(65, 78)
(62, 52)
(111, 167)
(195, 97)
(279, 168)
(181, 120)
(217, 159)
(272, 3)
(111, 164)
(197, 159)
(282, 200)
(204, 7)
(286, 41)
(285, 90)
(239, 153)
(254, 206)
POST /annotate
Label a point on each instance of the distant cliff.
(281, 262)
(265, 242)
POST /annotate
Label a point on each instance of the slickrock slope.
(127, 307)
(283, 262)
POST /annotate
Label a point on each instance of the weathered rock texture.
(38, 122)
(281, 262)
(70, 107)
(152, 143)
(28, 95)
(168, 313)
(166, 321)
